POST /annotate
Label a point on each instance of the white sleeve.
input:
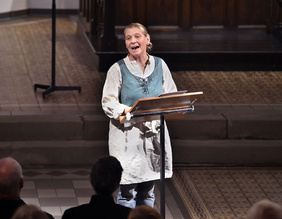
(168, 82)
(111, 91)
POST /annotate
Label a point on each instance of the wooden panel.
(163, 13)
(185, 19)
(207, 12)
(191, 13)
(253, 12)
(125, 13)
(184, 14)
(140, 8)
(231, 13)
(150, 13)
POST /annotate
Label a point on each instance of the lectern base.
(50, 89)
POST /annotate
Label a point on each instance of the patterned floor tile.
(226, 192)
(30, 42)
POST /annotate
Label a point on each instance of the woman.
(136, 145)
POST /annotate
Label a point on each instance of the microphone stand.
(51, 88)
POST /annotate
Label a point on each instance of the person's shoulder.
(113, 67)
(159, 59)
(78, 208)
(93, 211)
(117, 63)
(72, 212)
(50, 216)
(156, 57)
(123, 209)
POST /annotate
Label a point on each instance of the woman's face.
(136, 42)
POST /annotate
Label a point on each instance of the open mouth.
(134, 48)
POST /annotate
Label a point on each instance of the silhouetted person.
(144, 212)
(11, 184)
(105, 178)
(29, 212)
(265, 209)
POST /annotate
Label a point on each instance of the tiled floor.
(55, 190)
(25, 51)
(220, 193)
(192, 193)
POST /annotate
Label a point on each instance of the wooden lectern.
(165, 106)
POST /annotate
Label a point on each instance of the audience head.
(144, 212)
(265, 209)
(11, 178)
(29, 212)
(106, 175)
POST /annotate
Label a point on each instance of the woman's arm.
(168, 82)
(110, 97)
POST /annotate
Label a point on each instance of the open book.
(168, 102)
(173, 93)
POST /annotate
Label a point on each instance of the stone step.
(53, 127)
(229, 124)
(227, 152)
(54, 153)
(185, 152)
(205, 137)
(207, 125)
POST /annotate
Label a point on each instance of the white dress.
(136, 145)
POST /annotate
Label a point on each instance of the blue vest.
(134, 87)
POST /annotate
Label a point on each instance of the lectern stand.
(53, 87)
(167, 106)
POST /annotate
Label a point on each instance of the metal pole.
(53, 87)
(162, 141)
(162, 114)
(53, 44)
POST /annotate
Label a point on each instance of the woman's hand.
(126, 110)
